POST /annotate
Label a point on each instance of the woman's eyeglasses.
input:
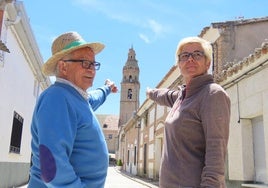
(196, 55)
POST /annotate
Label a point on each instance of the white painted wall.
(19, 88)
(151, 133)
(151, 170)
(252, 103)
(160, 111)
(151, 116)
(17, 92)
(151, 151)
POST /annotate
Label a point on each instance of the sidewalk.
(145, 181)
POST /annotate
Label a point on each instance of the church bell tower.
(130, 88)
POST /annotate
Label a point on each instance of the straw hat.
(65, 44)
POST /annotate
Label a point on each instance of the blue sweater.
(68, 145)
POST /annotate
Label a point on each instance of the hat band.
(74, 44)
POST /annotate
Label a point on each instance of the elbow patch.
(47, 164)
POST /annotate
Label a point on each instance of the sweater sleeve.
(215, 120)
(97, 97)
(56, 139)
(164, 97)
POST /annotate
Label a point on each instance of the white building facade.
(246, 83)
(21, 82)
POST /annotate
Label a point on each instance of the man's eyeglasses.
(196, 55)
(86, 64)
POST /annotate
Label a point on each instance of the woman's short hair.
(204, 43)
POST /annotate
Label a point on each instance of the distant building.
(21, 82)
(109, 124)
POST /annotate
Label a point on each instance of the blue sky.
(152, 27)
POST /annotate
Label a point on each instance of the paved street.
(117, 179)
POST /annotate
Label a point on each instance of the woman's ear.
(208, 64)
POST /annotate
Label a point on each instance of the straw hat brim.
(49, 67)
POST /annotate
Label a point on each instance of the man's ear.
(62, 67)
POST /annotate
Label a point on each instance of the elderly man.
(68, 146)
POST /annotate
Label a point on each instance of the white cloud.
(156, 27)
(129, 13)
(119, 10)
(144, 38)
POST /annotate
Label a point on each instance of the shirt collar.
(82, 92)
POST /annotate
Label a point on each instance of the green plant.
(119, 162)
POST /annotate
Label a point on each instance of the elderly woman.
(197, 126)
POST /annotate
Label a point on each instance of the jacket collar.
(197, 83)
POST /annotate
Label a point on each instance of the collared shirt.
(82, 92)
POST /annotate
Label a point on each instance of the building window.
(130, 79)
(135, 155)
(128, 157)
(105, 125)
(145, 158)
(129, 94)
(16, 133)
(110, 136)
